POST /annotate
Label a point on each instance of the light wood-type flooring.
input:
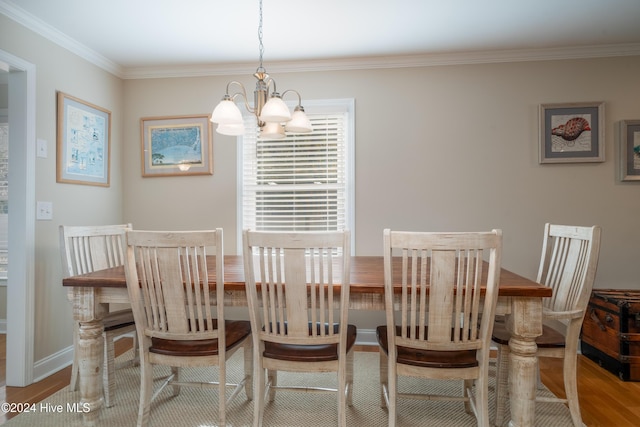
(605, 400)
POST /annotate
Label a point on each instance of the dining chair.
(297, 287)
(568, 265)
(440, 302)
(86, 249)
(180, 319)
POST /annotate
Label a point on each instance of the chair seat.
(118, 319)
(550, 338)
(235, 332)
(428, 358)
(309, 353)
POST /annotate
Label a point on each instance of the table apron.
(237, 298)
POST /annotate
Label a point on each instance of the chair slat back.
(86, 249)
(168, 282)
(568, 265)
(295, 280)
(445, 289)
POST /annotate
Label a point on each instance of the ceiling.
(130, 36)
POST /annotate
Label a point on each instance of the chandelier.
(273, 115)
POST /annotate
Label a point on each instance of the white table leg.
(525, 324)
(90, 350)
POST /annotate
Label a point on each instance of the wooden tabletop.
(367, 274)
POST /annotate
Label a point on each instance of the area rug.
(198, 407)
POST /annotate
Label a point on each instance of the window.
(302, 182)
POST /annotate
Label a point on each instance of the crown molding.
(48, 32)
(393, 61)
(334, 64)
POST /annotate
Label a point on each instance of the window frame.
(322, 106)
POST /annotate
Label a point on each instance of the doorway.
(21, 236)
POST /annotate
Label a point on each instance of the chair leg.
(502, 385)
(482, 400)
(258, 390)
(342, 412)
(176, 377)
(341, 394)
(73, 384)
(350, 358)
(146, 391)
(384, 375)
(466, 386)
(108, 377)
(248, 368)
(393, 391)
(272, 378)
(136, 350)
(571, 387)
(222, 393)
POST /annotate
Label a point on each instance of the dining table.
(519, 300)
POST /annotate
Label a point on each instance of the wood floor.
(605, 401)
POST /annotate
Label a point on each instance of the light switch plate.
(44, 210)
(41, 148)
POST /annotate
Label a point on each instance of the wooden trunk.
(611, 331)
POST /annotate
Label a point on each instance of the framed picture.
(83, 142)
(572, 133)
(629, 150)
(175, 146)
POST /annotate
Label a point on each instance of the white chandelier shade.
(272, 131)
(230, 129)
(275, 110)
(227, 112)
(299, 122)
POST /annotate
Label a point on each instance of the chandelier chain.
(261, 48)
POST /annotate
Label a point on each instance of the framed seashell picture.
(629, 150)
(572, 133)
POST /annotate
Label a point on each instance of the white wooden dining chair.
(86, 249)
(568, 265)
(439, 306)
(180, 320)
(297, 287)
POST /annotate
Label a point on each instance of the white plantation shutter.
(302, 182)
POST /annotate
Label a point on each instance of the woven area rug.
(198, 407)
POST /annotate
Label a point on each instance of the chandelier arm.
(270, 80)
(296, 92)
(242, 94)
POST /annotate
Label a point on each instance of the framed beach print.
(572, 133)
(629, 150)
(83, 146)
(175, 146)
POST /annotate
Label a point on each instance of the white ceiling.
(130, 35)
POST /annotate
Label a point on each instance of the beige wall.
(59, 70)
(450, 147)
(437, 148)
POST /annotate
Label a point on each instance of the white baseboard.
(367, 337)
(57, 361)
(3, 326)
(52, 364)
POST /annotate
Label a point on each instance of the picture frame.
(176, 146)
(629, 150)
(572, 132)
(83, 146)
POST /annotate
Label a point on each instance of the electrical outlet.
(44, 211)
